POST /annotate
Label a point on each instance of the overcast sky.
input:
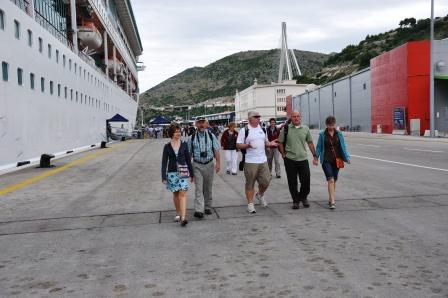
(177, 35)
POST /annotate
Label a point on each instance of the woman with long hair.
(176, 170)
(228, 144)
(333, 153)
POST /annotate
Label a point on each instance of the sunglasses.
(256, 116)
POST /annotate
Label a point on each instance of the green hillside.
(226, 75)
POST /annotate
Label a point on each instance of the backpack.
(286, 128)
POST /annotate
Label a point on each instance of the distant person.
(176, 170)
(108, 131)
(204, 147)
(192, 130)
(215, 130)
(333, 153)
(293, 140)
(253, 139)
(272, 153)
(228, 144)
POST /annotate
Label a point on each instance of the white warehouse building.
(268, 100)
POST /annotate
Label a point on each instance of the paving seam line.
(217, 214)
(324, 210)
(230, 206)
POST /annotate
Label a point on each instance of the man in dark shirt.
(272, 153)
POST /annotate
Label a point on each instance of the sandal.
(183, 222)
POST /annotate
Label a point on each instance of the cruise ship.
(66, 67)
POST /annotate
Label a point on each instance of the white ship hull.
(32, 121)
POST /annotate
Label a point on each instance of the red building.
(400, 78)
(288, 106)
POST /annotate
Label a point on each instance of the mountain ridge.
(238, 71)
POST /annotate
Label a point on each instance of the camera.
(203, 154)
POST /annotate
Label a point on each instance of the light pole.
(431, 76)
(142, 115)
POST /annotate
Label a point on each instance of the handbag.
(242, 162)
(182, 171)
(339, 161)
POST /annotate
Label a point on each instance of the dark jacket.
(224, 140)
(169, 159)
(272, 135)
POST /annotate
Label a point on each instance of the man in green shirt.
(293, 151)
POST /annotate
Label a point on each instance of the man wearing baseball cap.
(203, 147)
(254, 140)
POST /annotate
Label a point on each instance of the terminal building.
(392, 96)
(268, 100)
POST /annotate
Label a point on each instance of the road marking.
(365, 145)
(423, 150)
(42, 176)
(401, 163)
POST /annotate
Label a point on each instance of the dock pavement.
(100, 224)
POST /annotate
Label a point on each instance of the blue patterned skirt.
(175, 183)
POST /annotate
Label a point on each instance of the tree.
(408, 23)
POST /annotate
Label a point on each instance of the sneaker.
(183, 222)
(234, 174)
(261, 199)
(177, 218)
(333, 206)
(251, 208)
(228, 172)
(306, 204)
(295, 206)
(208, 211)
(199, 215)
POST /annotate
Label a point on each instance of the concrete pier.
(100, 224)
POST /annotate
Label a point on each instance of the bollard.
(22, 163)
(45, 160)
(103, 144)
(123, 139)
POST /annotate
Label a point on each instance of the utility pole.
(431, 76)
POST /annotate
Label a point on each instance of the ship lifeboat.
(89, 36)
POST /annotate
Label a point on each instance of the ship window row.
(2, 20)
(79, 97)
(77, 69)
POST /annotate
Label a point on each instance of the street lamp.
(431, 76)
(142, 114)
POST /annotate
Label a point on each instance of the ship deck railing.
(25, 5)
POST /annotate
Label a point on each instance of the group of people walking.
(198, 159)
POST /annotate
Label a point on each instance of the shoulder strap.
(332, 146)
(211, 139)
(285, 138)
(192, 140)
(246, 132)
